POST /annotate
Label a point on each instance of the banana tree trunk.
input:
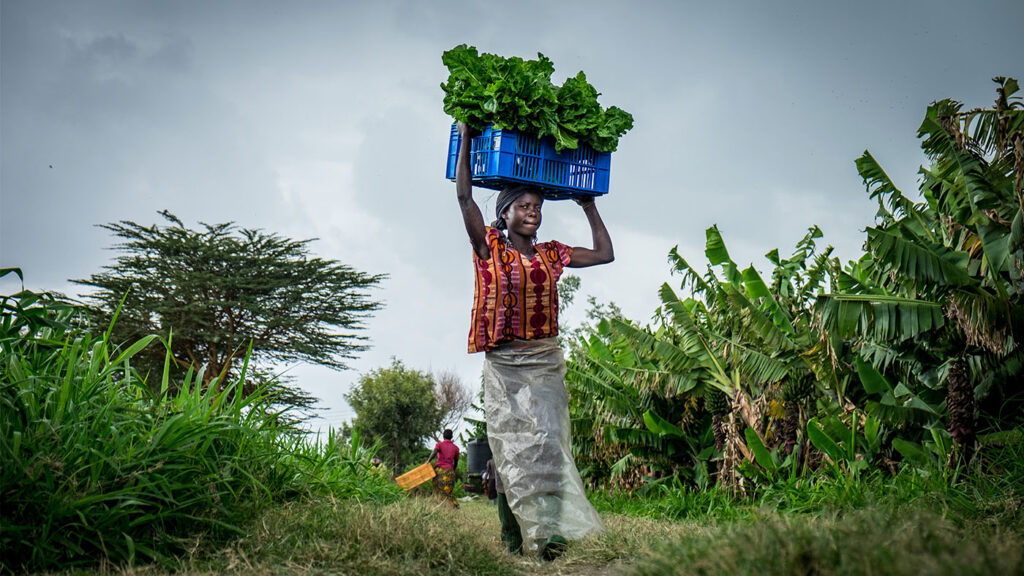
(960, 403)
(743, 414)
(790, 426)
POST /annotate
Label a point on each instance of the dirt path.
(575, 567)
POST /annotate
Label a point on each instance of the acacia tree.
(214, 292)
(396, 406)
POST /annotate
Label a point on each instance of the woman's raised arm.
(602, 252)
(471, 215)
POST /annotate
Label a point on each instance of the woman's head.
(447, 434)
(519, 208)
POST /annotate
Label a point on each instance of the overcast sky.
(324, 120)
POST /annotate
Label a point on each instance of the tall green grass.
(97, 465)
(862, 542)
(990, 490)
(919, 521)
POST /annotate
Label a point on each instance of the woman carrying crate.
(515, 322)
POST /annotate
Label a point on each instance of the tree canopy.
(397, 406)
(215, 291)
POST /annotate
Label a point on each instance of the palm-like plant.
(735, 336)
(936, 300)
(927, 321)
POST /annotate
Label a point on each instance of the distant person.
(488, 479)
(377, 468)
(515, 322)
(447, 454)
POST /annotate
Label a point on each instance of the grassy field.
(100, 473)
(420, 536)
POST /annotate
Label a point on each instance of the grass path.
(609, 553)
(420, 536)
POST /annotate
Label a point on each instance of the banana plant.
(851, 447)
(935, 303)
(931, 453)
(607, 405)
(734, 333)
(772, 465)
(904, 338)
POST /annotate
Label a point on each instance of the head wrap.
(506, 197)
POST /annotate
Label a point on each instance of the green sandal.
(552, 548)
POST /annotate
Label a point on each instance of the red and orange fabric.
(444, 484)
(515, 297)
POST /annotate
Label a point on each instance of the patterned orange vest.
(515, 297)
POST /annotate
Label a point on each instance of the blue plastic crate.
(503, 157)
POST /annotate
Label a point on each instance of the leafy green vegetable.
(517, 94)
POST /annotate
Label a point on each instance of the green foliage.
(99, 466)
(737, 337)
(989, 492)
(825, 369)
(674, 500)
(514, 93)
(396, 406)
(772, 465)
(918, 543)
(851, 447)
(568, 286)
(940, 285)
(223, 289)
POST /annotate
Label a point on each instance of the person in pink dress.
(447, 454)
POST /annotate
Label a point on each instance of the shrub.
(99, 466)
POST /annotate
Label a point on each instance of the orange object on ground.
(416, 476)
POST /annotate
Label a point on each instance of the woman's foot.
(552, 548)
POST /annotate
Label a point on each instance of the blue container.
(503, 157)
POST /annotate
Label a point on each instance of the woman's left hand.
(584, 201)
(602, 252)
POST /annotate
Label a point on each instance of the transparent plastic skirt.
(527, 410)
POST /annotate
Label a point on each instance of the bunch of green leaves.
(513, 93)
(849, 447)
(579, 113)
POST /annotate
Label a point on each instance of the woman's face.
(523, 216)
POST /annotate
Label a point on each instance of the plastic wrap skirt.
(527, 410)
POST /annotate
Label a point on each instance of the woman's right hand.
(471, 215)
(465, 131)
